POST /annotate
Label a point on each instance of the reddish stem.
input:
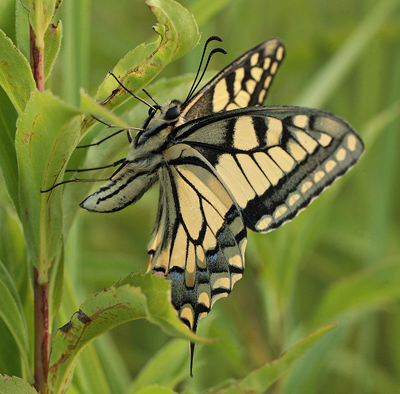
(42, 333)
(37, 62)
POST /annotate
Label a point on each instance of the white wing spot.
(221, 281)
(267, 82)
(267, 63)
(324, 139)
(294, 198)
(306, 186)
(187, 313)
(319, 176)
(274, 67)
(279, 53)
(330, 165)
(341, 154)
(236, 261)
(235, 278)
(256, 73)
(264, 223)
(352, 142)
(279, 212)
(242, 246)
(204, 299)
(254, 59)
(261, 96)
(217, 297)
(203, 314)
(300, 121)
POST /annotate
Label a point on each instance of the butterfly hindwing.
(199, 238)
(243, 83)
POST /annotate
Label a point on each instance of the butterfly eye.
(172, 113)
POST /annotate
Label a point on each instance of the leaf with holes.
(135, 297)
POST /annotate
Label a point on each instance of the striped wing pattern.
(275, 160)
(243, 83)
(259, 171)
(199, 239)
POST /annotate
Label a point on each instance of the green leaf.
(178, 33)
(14, 385)
(160, 311)
(40, 16)
(89, 373)
(7, 17)
(56, 285)
(52, 40)
(11, 313)
(15, 74)
(360, 292)
(89, 105)
(98, 314)
(206, 9)
(135, 297)
(165, 367)
(261, 379)
(22, 29)
(8, 156)
(47, 133)
(171, 14)
(155, 389)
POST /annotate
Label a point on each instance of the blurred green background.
(337, 262)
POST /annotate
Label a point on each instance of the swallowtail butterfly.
(226, 164)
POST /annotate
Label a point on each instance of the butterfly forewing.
(274, 160)
(243, 83)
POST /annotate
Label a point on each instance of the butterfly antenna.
(74, 180)
(197, 80)
(151, 98)
(154, 108)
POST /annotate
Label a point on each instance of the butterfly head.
(158, 124)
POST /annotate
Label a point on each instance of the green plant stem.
(37, 62)
(42, 333)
